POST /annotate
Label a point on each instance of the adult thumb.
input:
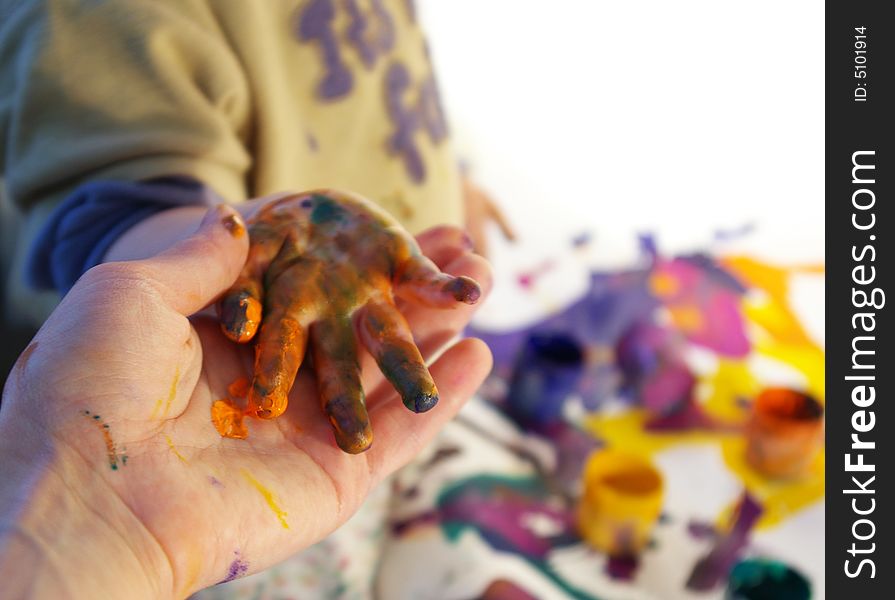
(193, 272)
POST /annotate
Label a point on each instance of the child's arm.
(98, 100)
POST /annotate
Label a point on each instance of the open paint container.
(784, 432)
(621, 502)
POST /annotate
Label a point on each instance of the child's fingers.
(401, 434)
(193, 272)
(433, 328)
(339, 385)
(444, 243)
(240, 309)
(387, 336)
(279, 350)
(422, 282)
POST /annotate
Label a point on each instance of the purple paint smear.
(406, 121)
(357, 34)
(620, 311)
(622, 568)
(315, 24)
(238, 568)
(716, 565)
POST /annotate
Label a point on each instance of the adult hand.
(115, 482)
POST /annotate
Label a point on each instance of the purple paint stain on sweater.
(431, 110)
(315, 24)
(357, 34)
(385, 38)
(405, 120)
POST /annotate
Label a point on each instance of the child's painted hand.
(326, 267)
(114, 482)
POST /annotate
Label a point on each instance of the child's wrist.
(156, 233)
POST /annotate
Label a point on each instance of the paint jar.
(546, 373)
(621, 502)
(762, 579)
(784, 433)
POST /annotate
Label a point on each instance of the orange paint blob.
(239, 388)
(234, 224)
(228, 420)
(784, 433)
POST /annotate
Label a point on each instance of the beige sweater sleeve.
(118, 90)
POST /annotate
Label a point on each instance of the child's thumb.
(192, 273)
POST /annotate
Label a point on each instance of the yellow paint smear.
(268, 497)
(174, 450)
(171, 395)
(776, 333)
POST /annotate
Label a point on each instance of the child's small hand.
(481, 210)
(316, 259)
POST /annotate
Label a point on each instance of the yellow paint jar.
(621, 502)
(784, 433)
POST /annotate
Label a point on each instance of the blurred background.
(681, 119)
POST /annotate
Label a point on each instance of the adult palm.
(128, 400)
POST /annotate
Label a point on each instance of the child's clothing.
(221, 98)
(112, 111)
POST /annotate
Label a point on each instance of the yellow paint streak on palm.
(172, 393)
(268, 497)
(192, 575)
(174, 450)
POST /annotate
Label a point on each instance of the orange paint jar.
(621, 502)
(784, 433)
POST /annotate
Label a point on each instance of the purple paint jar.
(546, 372)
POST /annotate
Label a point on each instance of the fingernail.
(234, 224)
(225, 215)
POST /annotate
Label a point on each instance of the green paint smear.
(326, 210)
(762, 579)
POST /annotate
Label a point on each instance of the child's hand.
(480, 211)
(315, 260)
(114, 482)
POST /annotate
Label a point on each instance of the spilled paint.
(713, 568)
(228, 419)
(163, 405)
(268, 497)
(174, 450)
(113, 456)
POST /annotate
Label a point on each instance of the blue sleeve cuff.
(85, 225)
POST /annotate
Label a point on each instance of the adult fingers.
(192, 273)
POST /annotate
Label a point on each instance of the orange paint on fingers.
(239, 388)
